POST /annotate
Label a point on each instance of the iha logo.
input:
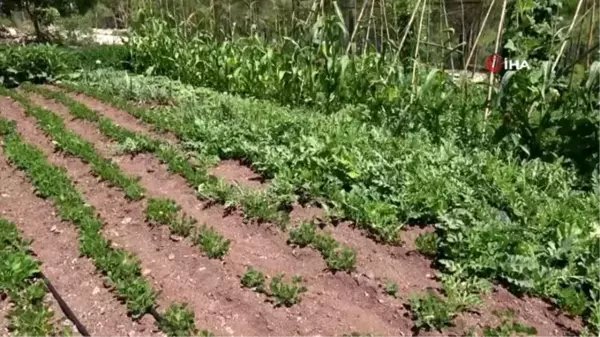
(494, 63)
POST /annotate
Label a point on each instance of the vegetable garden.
(301, 177)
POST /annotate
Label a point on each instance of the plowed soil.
(334, 304)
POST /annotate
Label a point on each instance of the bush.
(41, 63)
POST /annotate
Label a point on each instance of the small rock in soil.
(171, 257)
(126, 221)
(370, 275)
(146, 272)
(4, 195)
(175, 238)
(96, 291)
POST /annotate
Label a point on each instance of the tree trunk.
(39, 32)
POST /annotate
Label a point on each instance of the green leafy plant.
(213, 244)
(254, 279)
(286, 294)
(391, 288)
(508, 327)
(161, 211)
(427, 244)
(430, 311)
(178, 321)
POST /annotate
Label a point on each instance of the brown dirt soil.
(235, 172)
(4, 310)
(356, 303)
(56, 243)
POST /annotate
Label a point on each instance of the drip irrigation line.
(61, 302)
(65, 307)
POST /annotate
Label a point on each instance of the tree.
(44, 12)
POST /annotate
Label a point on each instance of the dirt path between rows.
(56, 244)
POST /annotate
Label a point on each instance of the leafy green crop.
(254, 279)
(213, 244)
(286, 294)
(336, 257)
(20, 279)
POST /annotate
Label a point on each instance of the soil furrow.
(335, 304)
(55, 243)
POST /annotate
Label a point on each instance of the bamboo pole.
(487, 15)
(357, 26)
(448, 32)
(416, 58)
(496, 47)
(564, 44)
(591, 31)
(407, 29)
(366, 42)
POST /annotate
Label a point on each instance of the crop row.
(21, 280)
(523, 224)
(122, 269)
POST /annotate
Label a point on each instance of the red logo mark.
(494, 63)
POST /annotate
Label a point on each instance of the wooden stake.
(496, 47)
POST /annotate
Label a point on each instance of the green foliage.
(336, 257)
(281, 293)
(523, 223)
(19, 279)
(43, 63)
(303, 235)
(178, 320)
(214, 245)
(572, 301)
(122, 269)
(71, 143)
(508, 327)
(254, 279)
(427, 244)
(286, 294)
(161, 211)
(430, 311)
(166, 212)
(391, 288)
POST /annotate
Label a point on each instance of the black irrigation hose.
(61, 303)
(65, 307)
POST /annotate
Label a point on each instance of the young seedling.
(161, 211)
(286, 294)
(427, 244)
(212, 243)
(254, 279)
(391, 289)
(508, 327)
(178, 320)
(572, 301)
(341, 260)
(304, 235)
(430, 311)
